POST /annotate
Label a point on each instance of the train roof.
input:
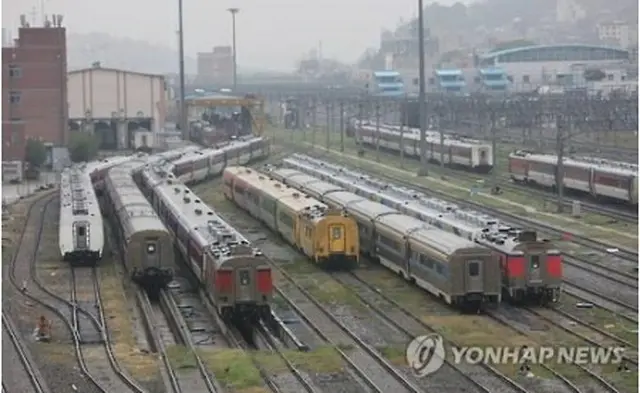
(343, 198)
(77, 194)
(599, 164)
(212, 233)
(369, 208)
(483, 228)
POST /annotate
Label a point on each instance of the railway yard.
(239, 303)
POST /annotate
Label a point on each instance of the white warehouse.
(124, 109)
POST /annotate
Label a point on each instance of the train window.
(151, 248)
(336, 233)
(81, 231)
(474, 269)
(535, 262)
(244, 277)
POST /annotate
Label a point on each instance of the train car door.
(450, 153)
(533, 273)
(474, 276)
(592, 182)
(337, 238)
(243, 285)
(81, 235)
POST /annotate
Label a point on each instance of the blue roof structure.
(448, 72)
(556, 46)
(385, 73)
(492, 71)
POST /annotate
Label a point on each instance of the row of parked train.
(600, 178)
(469, 256)
(140, 199)
(464, 153)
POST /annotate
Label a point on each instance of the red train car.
(531, 268)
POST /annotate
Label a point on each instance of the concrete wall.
(106, 92)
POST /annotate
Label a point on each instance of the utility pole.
(359, 128)
(421, 98)
(560, 136)
(329, 112)
(494, 151)
(403, 120)
(342, 126)
(314, 116)
(233, 12)
(377, 130)
(183, 104)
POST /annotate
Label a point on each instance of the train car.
(80, 232)
(145, 243)
(602, 179)
(235, 275)
(468, 154)
(456, 270)
(531, 267)
(203, 164)
(328, 237)
(98, 170)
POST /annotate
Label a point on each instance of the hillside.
(125, 53)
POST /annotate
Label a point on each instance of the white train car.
(597, 177)
(198, 165)
(80, 233)
(469, 154)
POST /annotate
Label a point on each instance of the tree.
(35, 153)
(82, 147)
(594, 75)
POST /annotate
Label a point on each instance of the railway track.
(621, 309)
(99, 377)
(460, 377)
(370, 366)
(167, 332)
(511, 318)
(18, 368)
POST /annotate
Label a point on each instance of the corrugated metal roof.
(448, 72)
(558, 46)
(385, 73)
(492, 71)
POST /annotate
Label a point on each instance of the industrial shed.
(124, 109)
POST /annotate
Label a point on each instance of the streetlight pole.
(233, 12)
(183, 104)
(421, 97)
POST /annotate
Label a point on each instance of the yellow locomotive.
(329, 237)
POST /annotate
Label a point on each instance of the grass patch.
(324, 359)
(396, 355)
(181, 357)
(233, 367)
(142, 366)
(624, 381)
(601, 318)
(326, 290)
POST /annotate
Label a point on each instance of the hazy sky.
(270, 33)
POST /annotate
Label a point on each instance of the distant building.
(618, 33)
(123, 108)
(34, 89)
(216, 67)
(533, 66)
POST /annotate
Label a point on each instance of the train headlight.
(151, 248)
